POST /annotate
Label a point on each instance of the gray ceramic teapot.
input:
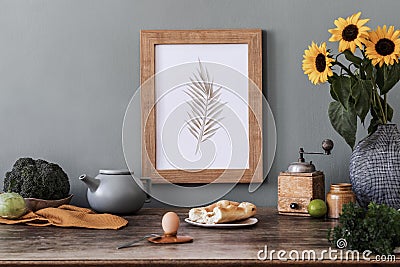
(116, 191)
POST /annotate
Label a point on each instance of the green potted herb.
(376, 228)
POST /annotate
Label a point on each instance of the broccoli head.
(37, 179)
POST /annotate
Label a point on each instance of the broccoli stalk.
(37, 179)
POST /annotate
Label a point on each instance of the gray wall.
(69, 68)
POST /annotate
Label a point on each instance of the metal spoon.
(126, 245)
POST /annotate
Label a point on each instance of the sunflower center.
(350, 33)
(320, 63)
(384, 47)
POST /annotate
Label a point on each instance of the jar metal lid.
(341, 185)
(116, 172)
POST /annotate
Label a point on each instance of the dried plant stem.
(202, 127)
(383, 118)
(205, 106)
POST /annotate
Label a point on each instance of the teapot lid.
(116, 172)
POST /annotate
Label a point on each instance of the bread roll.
(222, 211)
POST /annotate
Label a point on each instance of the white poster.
(201, 93)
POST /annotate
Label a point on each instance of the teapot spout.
(91, 183)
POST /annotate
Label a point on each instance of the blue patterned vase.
(375, 168)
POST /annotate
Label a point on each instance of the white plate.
(247, 222)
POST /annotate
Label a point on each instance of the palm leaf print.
(205, 106)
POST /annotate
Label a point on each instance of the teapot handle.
(147, 184)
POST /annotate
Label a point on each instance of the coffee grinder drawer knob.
(294, 206)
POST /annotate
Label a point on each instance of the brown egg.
(170, 223)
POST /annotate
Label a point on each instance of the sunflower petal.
(362, 22)
(342, 45)
(352, 47)
(312, 59)
(339, 23)
(373, 51)
(390, 31)
(337, 33)
(342, 22)
(355, 17)
(396, 35)
(373, 36)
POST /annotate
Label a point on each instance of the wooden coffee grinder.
(301, 183)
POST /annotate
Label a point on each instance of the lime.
(317, 208)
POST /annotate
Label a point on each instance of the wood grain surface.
(299, 188)
(52, 246)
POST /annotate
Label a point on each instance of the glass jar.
(338, 195)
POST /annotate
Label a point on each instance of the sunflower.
(317, 63)
(349, 32)
(383, 46)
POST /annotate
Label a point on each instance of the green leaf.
(361, 91)
(332, 78)
(392, 77)
(376, 118)
(376, 228)
(376, 111)
(341, 87)
(344, 121)
(373, 124)
(368, 68)
(352, 58)
(380, 79)
(333, 94)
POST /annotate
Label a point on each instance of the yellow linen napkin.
(69, 216)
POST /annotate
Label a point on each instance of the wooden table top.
(51, 246)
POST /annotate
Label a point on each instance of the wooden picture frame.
(149, 39)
